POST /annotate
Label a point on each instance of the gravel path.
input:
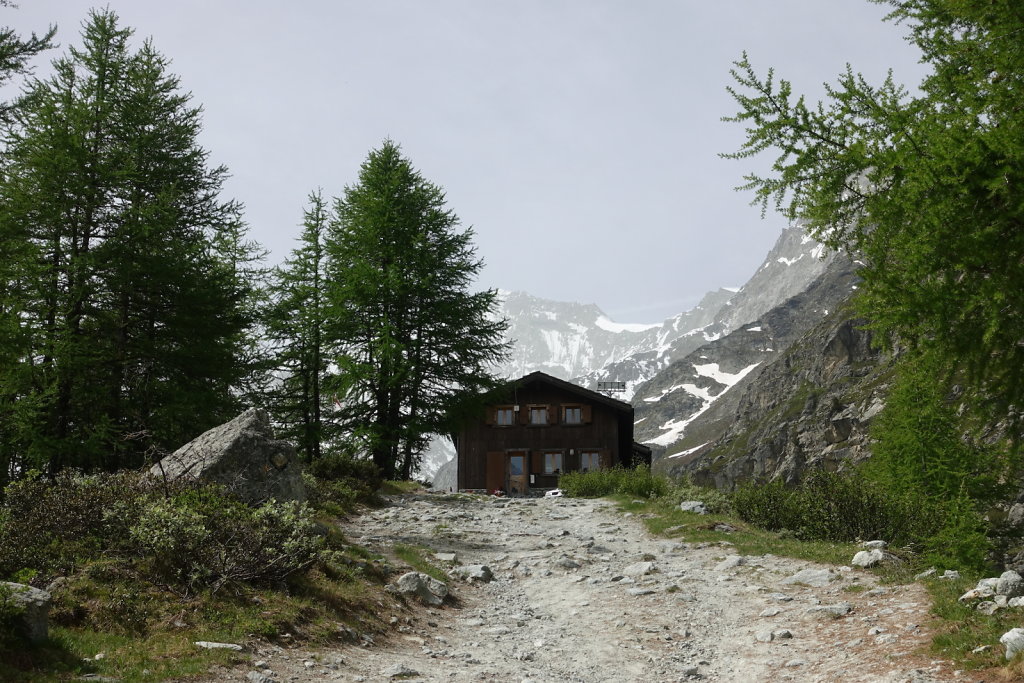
(582, 592)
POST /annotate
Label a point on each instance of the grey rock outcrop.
(244, 456)
(1010, 584)
(1013, 641)
(809, 407)
(34, 607)
(429, 590)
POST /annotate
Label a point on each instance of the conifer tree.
(410, 338)
(295, 326)
(925, 188)
(126, 306)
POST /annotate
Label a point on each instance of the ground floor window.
(553, 462)
(590, 461)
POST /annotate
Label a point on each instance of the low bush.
(831, 506)
(185, 535)
(637, 482)
(716, 502)
(50, 526)
(203, 539)
(338, 482)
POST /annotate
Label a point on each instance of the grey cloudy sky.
(579, 138)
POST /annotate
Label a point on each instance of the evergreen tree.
(926, 189)
(295, 328)
(125, 305)
(410, 336)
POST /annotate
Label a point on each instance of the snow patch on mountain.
(673, 429)
(612, 326)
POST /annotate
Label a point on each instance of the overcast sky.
(579, 138)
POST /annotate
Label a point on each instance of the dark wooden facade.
(538, 428)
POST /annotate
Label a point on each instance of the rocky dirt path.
(583, 593)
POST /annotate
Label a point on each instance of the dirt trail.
(583, 593)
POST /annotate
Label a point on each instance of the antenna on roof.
(611, 387)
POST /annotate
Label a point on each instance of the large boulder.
(429, 590)
(33, 606)
(244, 456)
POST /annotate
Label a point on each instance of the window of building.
(572, 415)
(590, 461)
(553, 462)
(504, 416)
(538, 415)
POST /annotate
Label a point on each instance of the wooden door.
(517, 474)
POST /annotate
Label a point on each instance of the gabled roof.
(544, 378)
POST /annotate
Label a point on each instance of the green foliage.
(924, 188)
(295, 326)
(338, 482)
(921, 441)
(633, 482)
(837, 507)
(407, 334)
(716, 501)
(188, 536)
(853, 506)
(50, 527)
(416, 558)
(202, 540)
(16, 52)
(962, 542)
(125, 281)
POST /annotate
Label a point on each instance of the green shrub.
(716, 501)
(842, 507)
(637, 482)
(962, 542)
(203, 539)
(337, 466)
(338, 482)
(51, 526)
(188, 535)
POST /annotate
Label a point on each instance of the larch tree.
(16, 54)
(295, 329)
(410, 338)
(125, 291)
(927, 188)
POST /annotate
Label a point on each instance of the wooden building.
(539, 427)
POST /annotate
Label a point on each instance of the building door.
(517, 478)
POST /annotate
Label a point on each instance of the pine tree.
(410, 336)
(295, 327)
(126, 297)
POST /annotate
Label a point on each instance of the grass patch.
(416, 558)
(963, 629)
(395, 488)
